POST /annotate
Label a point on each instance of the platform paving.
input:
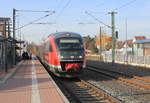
(30, 84)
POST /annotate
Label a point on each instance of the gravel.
(125, 92)
(128, 69)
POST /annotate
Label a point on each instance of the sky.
(70, 16)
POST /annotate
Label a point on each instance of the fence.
(126, 59)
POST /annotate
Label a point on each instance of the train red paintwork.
(64, 54)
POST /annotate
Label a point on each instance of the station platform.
(30, 83)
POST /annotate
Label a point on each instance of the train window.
(50, 47)
(69, 43)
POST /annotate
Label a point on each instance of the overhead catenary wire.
(45, 23)
(118, 8)
(59, 5)
(66, 5)
(124, 5)
(60, 13)
(62, 10)
(47, 11)
(33, 21)
(86, 23)
(97, 19)
(36, 11)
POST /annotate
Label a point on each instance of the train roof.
(64, 34)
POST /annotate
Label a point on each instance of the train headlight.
(80, 57)
(61, 57)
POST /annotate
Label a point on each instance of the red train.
(64, 54)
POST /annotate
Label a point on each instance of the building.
(138, 38)
(5, 27)
(89, 44)
(126, 47)
(105, 40)
(141, 47)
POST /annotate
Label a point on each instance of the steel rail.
(122, 78)
(82, 91)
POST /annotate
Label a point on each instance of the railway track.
(80, 91)
(134, 80)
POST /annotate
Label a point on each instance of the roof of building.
(128, 42)
(142, 41)
(140, 37)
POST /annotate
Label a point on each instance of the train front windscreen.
(70, 48)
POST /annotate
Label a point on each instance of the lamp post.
(14, 27)
(113, 36)
(14, 36)
(112, 27)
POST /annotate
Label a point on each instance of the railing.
(126, 59)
